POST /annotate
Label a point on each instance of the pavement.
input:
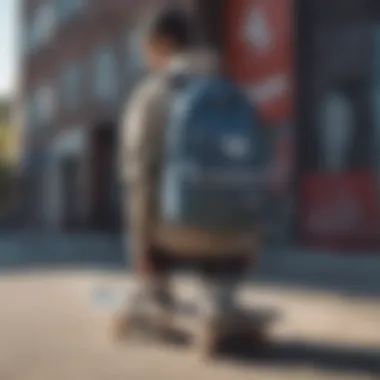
(50, 328)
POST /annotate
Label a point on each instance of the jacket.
(142, 131)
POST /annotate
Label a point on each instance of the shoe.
(208, 339)
(122, 324)
(259, 336)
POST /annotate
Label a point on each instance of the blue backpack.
(214, 158)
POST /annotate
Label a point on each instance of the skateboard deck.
(249, 326)
(143, 329)
(226, 338)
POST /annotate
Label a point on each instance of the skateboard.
(126, 328)
(248, 327)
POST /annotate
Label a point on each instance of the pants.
(219, 278)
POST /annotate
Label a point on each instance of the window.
(45, 104)
(70, 87)
(41, 107)
(41, 27)
(105, 74)
(31, 112)
(68, 8)
(46, 23)
(135, 67)
(28, 37)
(134, 54)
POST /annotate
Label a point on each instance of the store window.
(376, 105)
(31, 112)
(40, 107)
(134, 60)
(68, 8)
(338, 201)
(105, 74)
(71, 86)
(29, 38)
(45, 104)
(41, 28)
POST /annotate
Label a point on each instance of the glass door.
(376, 109)
(338, 202)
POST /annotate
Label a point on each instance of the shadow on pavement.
(325, 357)
(322, 357)
(355, 276)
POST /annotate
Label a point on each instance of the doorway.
(69, 168)
(104, 178)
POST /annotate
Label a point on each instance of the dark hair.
(172, 24)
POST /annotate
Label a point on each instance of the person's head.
(167, 33)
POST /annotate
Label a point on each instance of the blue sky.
(8, 45)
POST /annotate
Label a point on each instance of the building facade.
(338, 124)
(80, 61)
(309, 66)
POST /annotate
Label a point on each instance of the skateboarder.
(158, 250)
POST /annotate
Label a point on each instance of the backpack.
(214, 158)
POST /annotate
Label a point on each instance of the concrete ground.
(50, 330)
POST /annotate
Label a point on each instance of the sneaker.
(208, 339)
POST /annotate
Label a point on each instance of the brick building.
(80, 61)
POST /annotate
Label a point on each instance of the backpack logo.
(236, 147)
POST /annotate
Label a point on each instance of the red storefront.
(333, 128)
(259, 56)
(338, 197)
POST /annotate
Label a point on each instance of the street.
(51, 329)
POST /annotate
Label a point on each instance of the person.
(222, 260)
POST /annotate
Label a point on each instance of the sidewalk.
(50, 330)
(328, 326)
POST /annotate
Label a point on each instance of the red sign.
(340, 211)
(260, 54)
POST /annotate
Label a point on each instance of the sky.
(8, 46)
